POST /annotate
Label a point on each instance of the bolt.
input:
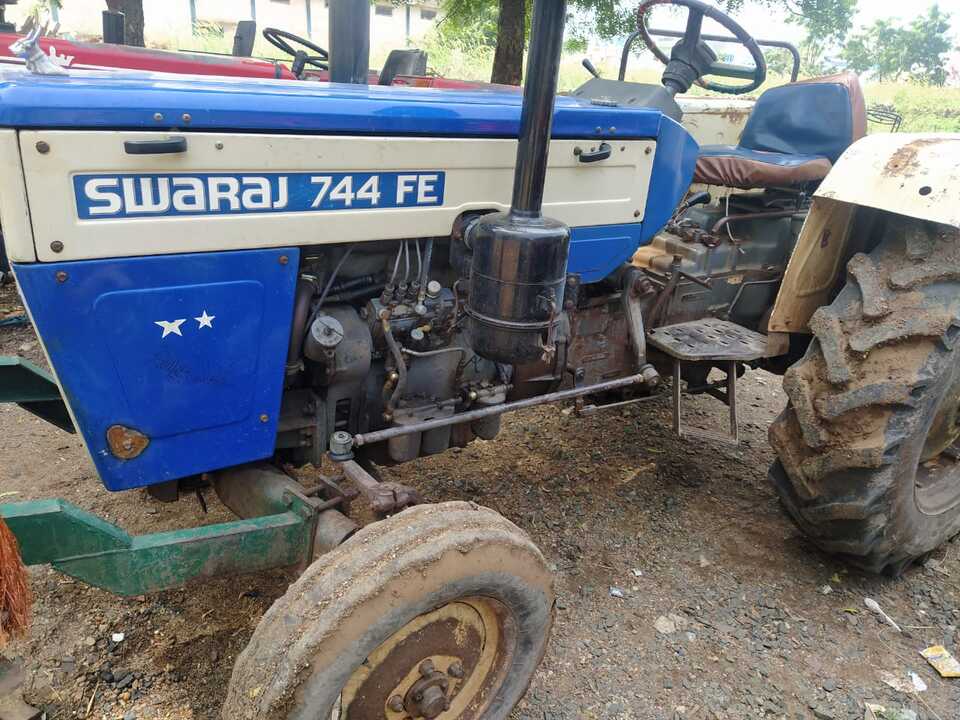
(158, 116)
(218, 145)
(612, 129)
(455, 670)
(599, 130)
(647, 150)
(426, 667)
(395, 703)
(56, 246)
(394, 376)
(284, 259)
(61, 276)
(264, 418)
(186, 117)
(636, 213)
(473, 395)
(43, 148)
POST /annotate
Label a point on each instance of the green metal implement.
(98, 553)
(34, 390)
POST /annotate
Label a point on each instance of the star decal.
(205, 320)
(171, 326)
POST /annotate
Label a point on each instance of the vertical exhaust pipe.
(519, 266)
(349, 42)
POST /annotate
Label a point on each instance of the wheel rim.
(937, 487)
(442, 665)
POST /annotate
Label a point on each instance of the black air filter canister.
(519, 265)
(516, 285)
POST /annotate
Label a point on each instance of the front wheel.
(869, 444)
(441, 611)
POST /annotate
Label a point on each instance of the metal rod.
(792, 49)
(471, 415)
(536, 119)
(625, 54)
(769, 215)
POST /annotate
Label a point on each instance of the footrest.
(709, 340)
(714, 341)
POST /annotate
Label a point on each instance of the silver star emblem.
(171, 326)
(205, 320)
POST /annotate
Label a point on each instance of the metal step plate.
(709, 339)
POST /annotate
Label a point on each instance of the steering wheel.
(691, 58)
(278, 38)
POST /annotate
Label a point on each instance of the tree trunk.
(133, 19)
(133, 9)
(511, 34)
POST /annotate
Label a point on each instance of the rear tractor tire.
(869, 457)
(441, 611)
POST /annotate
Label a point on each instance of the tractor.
(232, 278)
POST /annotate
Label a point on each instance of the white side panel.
(479, 174)
(917, 175)
(14, 211)
(713, 120)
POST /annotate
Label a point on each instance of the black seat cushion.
(793, 136)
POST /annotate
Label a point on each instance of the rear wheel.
(869, 459)
(442, 611)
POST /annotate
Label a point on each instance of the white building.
(168, 22)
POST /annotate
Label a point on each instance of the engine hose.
(401, 366)
(306, 288)
(425, 270)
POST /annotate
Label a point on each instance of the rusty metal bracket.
(384, 497)
(730, 397)
(279, 532)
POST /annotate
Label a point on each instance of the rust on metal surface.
(904, 161)
(126, 443)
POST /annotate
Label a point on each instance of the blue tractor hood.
(153, 101)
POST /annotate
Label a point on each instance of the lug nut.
(426, 667)
(455, 670)
(395, 703)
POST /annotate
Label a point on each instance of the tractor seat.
(793, 136)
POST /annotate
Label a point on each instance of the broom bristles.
(14, 590)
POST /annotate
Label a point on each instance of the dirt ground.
(684, 592)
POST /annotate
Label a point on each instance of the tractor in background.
(229, 277)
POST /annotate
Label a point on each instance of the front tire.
(868, 444)
(439, 610)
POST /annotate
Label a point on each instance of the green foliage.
(468, 24)
(890, 50)
(827, 19)
(924, 108)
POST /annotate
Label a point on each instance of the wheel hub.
(427, 697)
(440, 666)
(945, 427)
